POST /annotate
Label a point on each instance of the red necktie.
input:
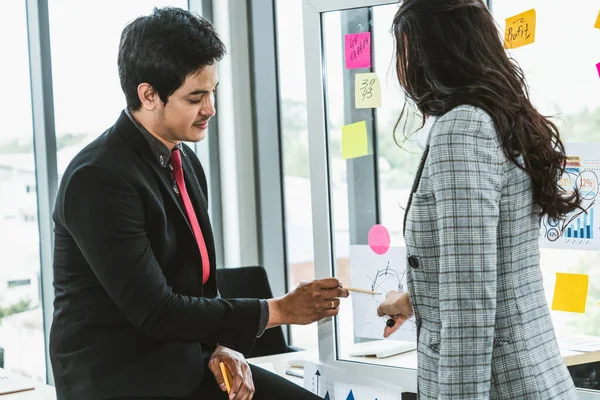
(189, 209)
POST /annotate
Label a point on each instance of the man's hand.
(309, 302)
(242, 387)
(397, 306)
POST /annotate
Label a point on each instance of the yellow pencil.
(226, 376)
(361, 290)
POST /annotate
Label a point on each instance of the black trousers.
(267, 385)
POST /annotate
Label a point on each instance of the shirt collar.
(162, 152)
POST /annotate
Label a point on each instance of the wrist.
(275, 314)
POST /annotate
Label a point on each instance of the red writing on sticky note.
(598, 68)
(358, 50)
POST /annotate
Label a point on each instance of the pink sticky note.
(358, 50)
(598, 68)
(379, 239)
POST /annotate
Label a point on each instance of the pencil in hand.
(361, 290)
(226, 376)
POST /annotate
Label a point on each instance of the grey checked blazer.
(471, 230)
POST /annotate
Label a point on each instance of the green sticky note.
(570, 292)
(355, 141)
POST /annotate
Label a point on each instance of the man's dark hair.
(162, 49)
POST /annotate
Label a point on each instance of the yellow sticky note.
(354, 140)
(520, 30)
(597, 25)
(367, 91)
(570, 292)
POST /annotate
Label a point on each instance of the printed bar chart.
(582, 227)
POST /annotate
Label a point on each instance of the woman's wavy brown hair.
(449, 53)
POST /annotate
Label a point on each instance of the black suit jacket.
(131, 316)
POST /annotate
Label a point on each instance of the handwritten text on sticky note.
(598, 68)
(358, 50)
(355, 142)
(597, 24)
(367, 91)
(570, 292)
(520, 30)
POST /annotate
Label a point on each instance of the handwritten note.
(598, 68)
(358, 50)
(570, 292)
(354, 140)
(367, 91)
(520, 30)
(597, 24)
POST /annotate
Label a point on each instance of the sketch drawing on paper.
(388, 279)
(380, 273)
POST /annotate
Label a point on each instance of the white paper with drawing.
(379, 273)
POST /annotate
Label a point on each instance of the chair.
(252, 282)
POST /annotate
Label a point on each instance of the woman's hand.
(397, 306)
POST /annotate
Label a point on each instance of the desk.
(280, 363)
(41, 391)
(405, 360)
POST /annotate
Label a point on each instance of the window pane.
(87, 92)
(565, 87)
(298, 211)
(21, 323)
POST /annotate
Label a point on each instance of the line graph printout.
(332, 383)
(579, 230)
(379, 273)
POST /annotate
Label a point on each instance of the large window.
(21, 323)
(396, 166)
(87, 93)
(296, 173)
(564, 83)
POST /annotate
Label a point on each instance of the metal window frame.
(321, 189)
(268, 143)
(44, 139)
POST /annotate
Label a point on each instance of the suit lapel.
(426, 133)
(197, 197)
(415, 186)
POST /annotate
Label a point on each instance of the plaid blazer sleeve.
(466, 173)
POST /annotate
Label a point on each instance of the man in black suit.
(137, 314)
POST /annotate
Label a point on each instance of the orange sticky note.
(597, 25)
(520, 30)
(570, 292)
(355, 142)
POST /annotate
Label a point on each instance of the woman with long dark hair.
(489, 172)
